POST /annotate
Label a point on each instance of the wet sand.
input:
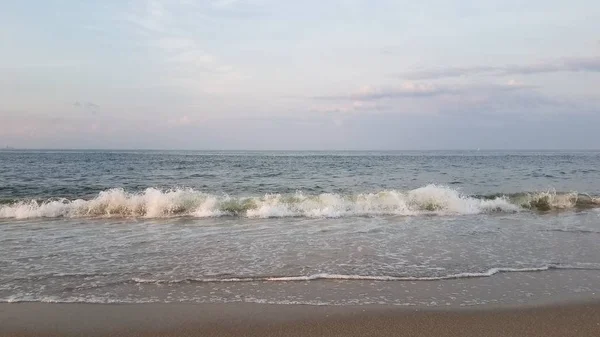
(246, 319)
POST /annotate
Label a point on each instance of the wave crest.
(155, 203)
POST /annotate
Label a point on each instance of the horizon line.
(8, 149)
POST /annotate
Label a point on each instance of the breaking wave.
(427, 200)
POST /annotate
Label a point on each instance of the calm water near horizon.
(299, 227)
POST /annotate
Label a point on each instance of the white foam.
(155, 203)
(90, 298)
(555, 200)
(327, 276)
(489, 272)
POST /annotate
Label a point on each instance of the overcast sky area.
(292, 75)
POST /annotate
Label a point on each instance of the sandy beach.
(38, 319)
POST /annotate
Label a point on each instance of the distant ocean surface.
(169, 226)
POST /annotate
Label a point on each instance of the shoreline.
(509, 289)
(251, 319)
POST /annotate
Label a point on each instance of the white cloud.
(510, 98)
(183, 60)
(349, 107)
(406, 89)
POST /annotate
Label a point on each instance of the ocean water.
(402, 228)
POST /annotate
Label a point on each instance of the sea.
(411, 228)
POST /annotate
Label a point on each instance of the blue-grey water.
(297, 227)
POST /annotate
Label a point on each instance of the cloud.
(407, 89)
(182, 60)
(583, 64)
(422, 90)
(507, 100)
(349, 107)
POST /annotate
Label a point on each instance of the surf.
(187, 202)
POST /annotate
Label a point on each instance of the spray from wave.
(155, 203)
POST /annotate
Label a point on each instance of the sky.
(300, 75)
